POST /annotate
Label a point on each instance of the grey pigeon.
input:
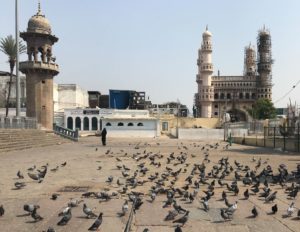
(2, 211)
(88, 212)
(97, 223)
(30, 207)
(66, 217)
(35, 215)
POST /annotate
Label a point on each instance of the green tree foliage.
(8, 46)
(263, 109)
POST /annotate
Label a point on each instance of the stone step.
(20, 139)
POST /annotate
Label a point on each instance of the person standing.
(103, 136)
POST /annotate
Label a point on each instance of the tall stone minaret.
(205, 70)
(264, 65)
(40, 68)
(250, 61)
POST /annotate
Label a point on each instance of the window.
(164, 126)
(140, 124)
(86, 123)
(130, 124)
(216, 106)
(108, 124)
(120, 124)
(216, 113)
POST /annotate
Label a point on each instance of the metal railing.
(65, 132)
(18, 123)
(286, 138)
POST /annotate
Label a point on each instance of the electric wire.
(285, 95)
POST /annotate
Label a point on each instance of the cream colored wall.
(188, 122)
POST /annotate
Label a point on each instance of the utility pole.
(17, 62)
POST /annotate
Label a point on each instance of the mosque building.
(218, 94)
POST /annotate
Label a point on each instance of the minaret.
(250, 61)
(205, 70)
(40, 68)
(264, 65)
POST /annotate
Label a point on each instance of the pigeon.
(89, 213)
(232, 208)
(64, 211)
(246, 194)
(50, 229)
(31, 168)
(125, 208)
(97, 223)
(146, 230)
(298, 214)
(291, 209)
(183, 219)
(74, 202)
(225, 215)
(34, 176)
(110, 179)
(171, 215)
(64, 164)
(20, 175)
(54, 196)
(205, 205)
(66, 218)
(254, 212)
(30, 207)
(178, 229)
(19, 185)
(35, 215)
(274, 209)
(2, 211)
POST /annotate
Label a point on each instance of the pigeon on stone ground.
(183, 219)
(291, 209)
(274, 209)
(88, 212)
(35, 215)
(30, 207)
(97, 223)
(178, 229)
(254, 212)
(20, 185)
(66, 217)
(2, 211)
(20, 175)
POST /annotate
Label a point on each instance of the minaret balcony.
(206, 47)
(206, 68)
(31, 66)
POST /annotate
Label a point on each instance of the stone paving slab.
(83, 161)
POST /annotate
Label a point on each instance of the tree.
(8, 46)
(263, 109)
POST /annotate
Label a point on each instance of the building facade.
(218, 94)
(4, 85)
(118, 123)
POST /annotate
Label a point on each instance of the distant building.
(218, 94)
(104, 101)
(69, 96)
(126, 99)
(173, 108)
(118, 123)
(4, 85)
(94, 99)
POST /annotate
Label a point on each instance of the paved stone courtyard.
(84, 158)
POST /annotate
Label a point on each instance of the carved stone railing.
(18, 123)
(65, 132)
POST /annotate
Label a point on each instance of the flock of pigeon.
(177, 178)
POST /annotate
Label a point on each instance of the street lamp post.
(17, 62)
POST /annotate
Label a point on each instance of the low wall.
(131, 133)
(201, 134)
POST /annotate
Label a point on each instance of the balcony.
(28, 66)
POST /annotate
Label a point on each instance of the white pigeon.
(291, 209)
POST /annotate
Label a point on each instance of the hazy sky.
(151, 45)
